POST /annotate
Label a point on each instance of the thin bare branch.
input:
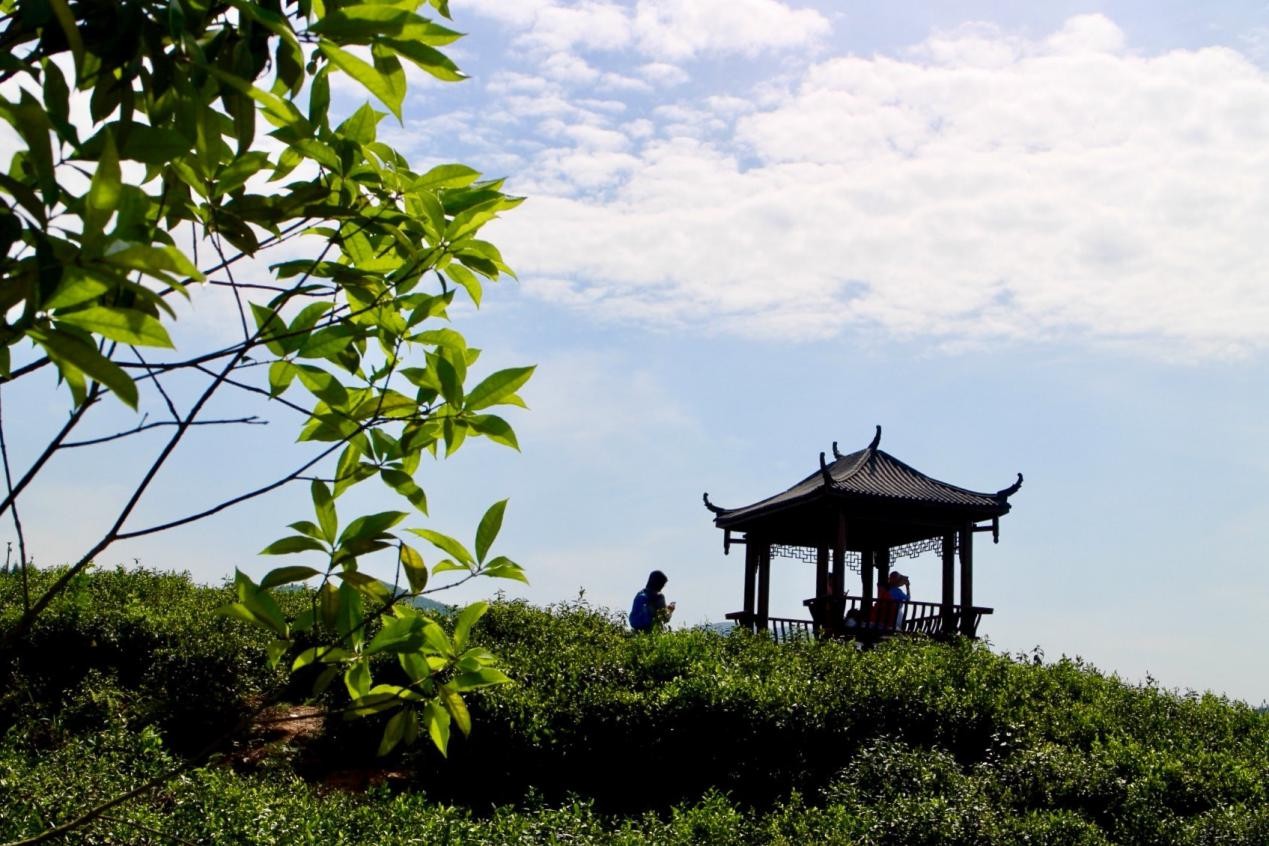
(249, 421)
(94, 393)
(229, 503)
(17, 522)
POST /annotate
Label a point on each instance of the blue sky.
(1020, 237)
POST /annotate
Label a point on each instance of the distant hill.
(420, 602)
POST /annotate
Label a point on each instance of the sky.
(1019, 237)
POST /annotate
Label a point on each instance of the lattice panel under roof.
(808, 554)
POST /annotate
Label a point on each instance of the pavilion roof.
(870, 475)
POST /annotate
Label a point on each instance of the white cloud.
(681, 29)
(676, 29)
(664, 74)
(987, 187)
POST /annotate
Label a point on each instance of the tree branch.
(250, 421)
(17, 522)
(77, 415)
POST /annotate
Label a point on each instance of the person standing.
(650, 610)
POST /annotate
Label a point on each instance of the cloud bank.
(981, 187)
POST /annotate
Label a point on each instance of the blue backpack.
(641, 613)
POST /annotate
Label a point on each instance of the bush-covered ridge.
(608, 738)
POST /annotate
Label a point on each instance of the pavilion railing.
(786, 629)
(870, 619)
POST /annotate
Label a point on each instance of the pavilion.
(861, 512)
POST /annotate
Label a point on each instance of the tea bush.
(148, 642)
(608, 737)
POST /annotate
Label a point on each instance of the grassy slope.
(607, 738)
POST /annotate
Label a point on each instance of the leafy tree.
(174, 149)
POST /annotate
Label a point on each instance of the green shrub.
(608, 737)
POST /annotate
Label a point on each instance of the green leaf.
(403, 484)
(155, 146)
(324, 508)
(323, 385)
(437, 721)
(67, 350)
(362, 125)
(270, 324)
(118, 324)
(371, 526)
(306, 527)
(427, 58)
(79, 285)
(347, 471)
(415, 569)
(488, 529)
(389, 68)
(484, 677)
(329, 341)
(447, 564)
(260, 603)
(457, 708)
(447, 176)
(350, 620)
(102, 198)
(394, 731)
(366, 584)
(293, 543)
(505, 568)
(155, 260)
(378, 83)
(451, 382)
(360, 22)
(281, 374)
(495, 429)
(466, 619)
(446, 544)
(277, 110)
(398, 634)
(496, 387)
(274, 650)
(239, 610)
(464, 277)
(329, 605)
(323, 680)
(357, 679)
(287, 575)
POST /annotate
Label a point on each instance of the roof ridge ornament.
(876, 440)
(836, 454)
(711, 506)
(1005, 493)
(828, 477)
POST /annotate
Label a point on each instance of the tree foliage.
(187, 150)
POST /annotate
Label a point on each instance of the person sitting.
(895, 590)
(650, 610)
(883, 608)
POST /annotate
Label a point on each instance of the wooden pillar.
(839, 556)
(821, 572)
(881, 560)
(948, 612)
(751, 572)
(867, 576)
(967, 579)
(764, 584)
